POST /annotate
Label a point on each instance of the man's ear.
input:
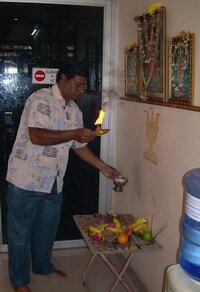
(64, 77)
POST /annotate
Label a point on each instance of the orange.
(122, 238)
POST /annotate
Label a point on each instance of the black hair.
(72, 68)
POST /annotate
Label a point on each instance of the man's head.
(71, 69)
(72, 79)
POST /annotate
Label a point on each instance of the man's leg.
(44, 232)
(21, 212)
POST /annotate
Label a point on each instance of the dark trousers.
(32, 220)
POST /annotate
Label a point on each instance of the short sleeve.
(78, 125)
(39, 113)
(77, 144)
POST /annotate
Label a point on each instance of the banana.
(144, 227)
(114, 230)
(139, 228)
(138, 221)
(117, 223)
(102, 226)
(94, 230)
(136, 228)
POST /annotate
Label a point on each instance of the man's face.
(72, 88)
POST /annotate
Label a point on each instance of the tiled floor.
(73, 262)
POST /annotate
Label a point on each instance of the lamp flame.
(98, 131)
(99, 121)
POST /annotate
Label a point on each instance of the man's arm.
(87, 155)
(47, 137)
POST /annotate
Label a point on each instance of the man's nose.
(82, 89)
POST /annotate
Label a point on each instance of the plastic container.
(178, 281)
(189, 255)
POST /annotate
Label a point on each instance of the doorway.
(62, 31)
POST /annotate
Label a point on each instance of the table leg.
(119, 275)
(86, 269)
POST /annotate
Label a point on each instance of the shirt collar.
(58, 96)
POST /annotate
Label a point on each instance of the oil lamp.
(99, 131)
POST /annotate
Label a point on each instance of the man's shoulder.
(43, 95)
(75, 106)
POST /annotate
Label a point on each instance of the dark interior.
(61, 32)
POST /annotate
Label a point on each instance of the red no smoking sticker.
(39, 75)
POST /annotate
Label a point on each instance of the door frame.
(108, 99)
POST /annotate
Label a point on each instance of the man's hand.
(109, 171)
(83, 135)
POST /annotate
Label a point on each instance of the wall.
(156, 189)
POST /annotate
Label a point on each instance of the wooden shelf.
(162, 103)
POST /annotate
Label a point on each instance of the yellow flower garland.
(153, 7)
(130, 46)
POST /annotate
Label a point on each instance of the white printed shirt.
(34, 167)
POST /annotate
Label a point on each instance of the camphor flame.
(99, 121)
(98, 131)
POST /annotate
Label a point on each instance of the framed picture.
(181, 69)
(152, 54)
(131, 71)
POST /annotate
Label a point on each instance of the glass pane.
(43, 36)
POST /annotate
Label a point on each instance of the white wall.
(156, 189)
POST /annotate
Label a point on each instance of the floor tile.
(72, 261)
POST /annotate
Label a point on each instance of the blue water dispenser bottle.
(189, 256)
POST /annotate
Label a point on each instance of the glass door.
(44, 36)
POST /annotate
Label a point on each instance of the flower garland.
(149, 28)
(131, 67)
(153, 7)
(130, 47)
(180, 59)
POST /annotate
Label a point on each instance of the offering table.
(105, 247)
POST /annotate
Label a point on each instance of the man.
(51, 123)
